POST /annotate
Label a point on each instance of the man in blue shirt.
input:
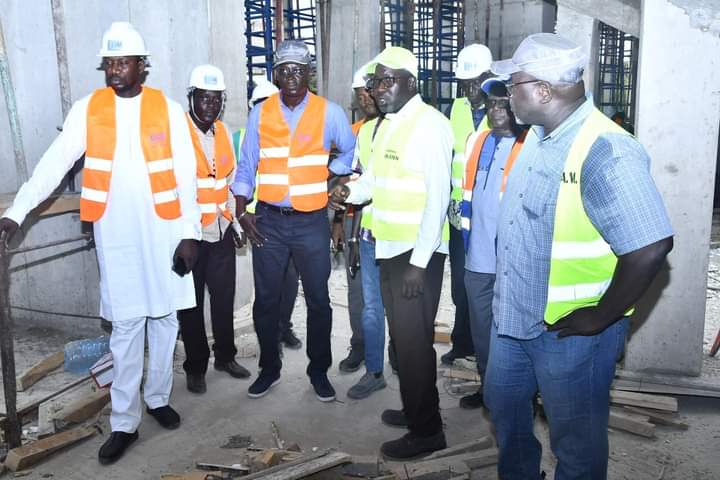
(574, 160)
(283, 143)
(490, 156)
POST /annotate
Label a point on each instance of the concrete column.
(582, 29)
(680, 133)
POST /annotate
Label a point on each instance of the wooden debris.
(30, 376)
(28, 455)
(85, 407)
(461, 374)
(223, 468)
(658, 418)
(192, 476)
(461, 464)
(302, 467)
(266, 459)
(46, 419)
(442, 336)
(465, 387)
(656, 402)
(480, 444)
(275, 431)
(631, 422)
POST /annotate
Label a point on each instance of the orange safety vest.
(296, 166)
(155, 139)
(213, 186)
(355, 127)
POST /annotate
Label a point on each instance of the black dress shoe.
(233, 368)
(290, 340)
(449, 357)
(115, 446)
(165, 416)
(473, 401)
(196, 383)
(411, 446)
(324, 390)
(394, 418)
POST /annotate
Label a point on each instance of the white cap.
(360, 77)
(122, 40)
(207, 77)
(263, 89)
(472, 61)
(545, 56)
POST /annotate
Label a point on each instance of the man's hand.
(337, 197)
(413, 281)
(187, 251)
(353, 256)
(238, 237)
(7, 229)
(247, 222)
(583, 321)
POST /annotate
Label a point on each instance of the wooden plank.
(266, 459)
(28, 455)
(302, 467)
(473, 445)
(442, 336)
(30, 376)
(85, 407)
(658, 418)
(191, 475)
(46, 419)
(632, 423)
(643, 400)
(459, 464)
(461, 374)
(649, 387)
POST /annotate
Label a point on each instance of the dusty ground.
(351, 426)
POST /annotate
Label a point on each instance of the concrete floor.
(350, 426)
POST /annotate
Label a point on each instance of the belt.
(284, 210)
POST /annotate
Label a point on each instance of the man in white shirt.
(139, 191)
(408, 180)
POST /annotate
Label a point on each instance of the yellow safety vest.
(461, 121)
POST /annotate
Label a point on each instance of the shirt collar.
(300, 105)
(578, 116)
(209, 133)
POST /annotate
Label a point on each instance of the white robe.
(135, 246)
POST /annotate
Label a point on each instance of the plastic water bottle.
(82, 354)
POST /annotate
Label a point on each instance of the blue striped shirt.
(619, 196)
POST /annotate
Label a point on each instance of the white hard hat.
(263, 89)
(207, 77)
(472, 61)
(359, 79)
(122, 40)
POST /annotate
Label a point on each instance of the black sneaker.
(411, 446)
(115, 446)
(449, 357)
(165, 416)
(353, 361)
(233, 368)
(394, 418)
(323, 388)
(473, 401)
(262, 385)
(196, 383)
(290, 340)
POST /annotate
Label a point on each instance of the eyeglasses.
(501, 103)
(385, 82)
(291, 71)
(509, 86)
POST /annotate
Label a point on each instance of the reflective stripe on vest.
(101, 140)
(399, 194)
(213, 188)
(461, 121)
(475, 145)
(297, 167)
(582, 263)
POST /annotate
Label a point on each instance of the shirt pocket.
(538, 193)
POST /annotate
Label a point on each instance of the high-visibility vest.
(365, 141)
(461, 121)
(213, 186)
(399, 194)
(296, 166)
(355, 127)
(475, 145)
(155, 140)
(582, 263)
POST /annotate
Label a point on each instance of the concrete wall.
(179, 35)
(503, 24)
(681, 135)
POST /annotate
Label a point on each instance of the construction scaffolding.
(617, 72)
(300, 22)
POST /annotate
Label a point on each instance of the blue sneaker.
(262, 385)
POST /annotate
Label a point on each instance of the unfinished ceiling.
(704, 14)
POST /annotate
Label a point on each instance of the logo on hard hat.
(114, 45)
(211, 79)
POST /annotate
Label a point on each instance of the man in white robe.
(136, 248)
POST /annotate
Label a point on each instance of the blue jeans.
(573, 376)
(373, 313)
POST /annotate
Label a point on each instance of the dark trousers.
(306, 238)
(479, 287)
(288, 297)
(461, 337)
(354, 296)
(411, 323)
(215, 268)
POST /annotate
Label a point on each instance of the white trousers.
(127, 344)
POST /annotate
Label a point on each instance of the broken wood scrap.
(266, 459)
(302, 467)
(464, 387)
(658, 418)
(461, 374)
(236, 468)
(460, 464)
(275, 431)
(631, 422)
(192, 476)
(644, 400)
(481, 443)
(442, 336)
(28, 455)
(31, 376)
(84, 407)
